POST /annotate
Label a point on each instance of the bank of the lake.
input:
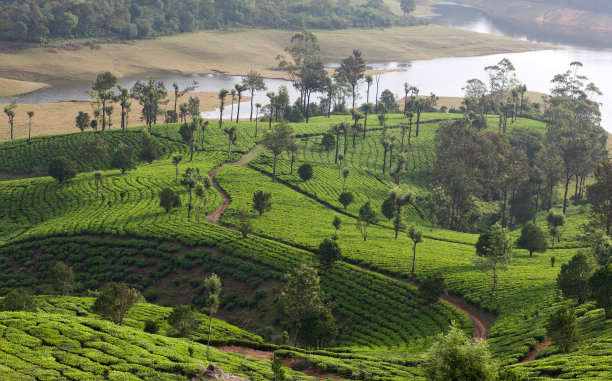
(236, 52)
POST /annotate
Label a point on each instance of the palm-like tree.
(222, 95)
(30, 115)
(232, 136)
(239, 89)
(416, 235)
(176, 159)
(233, 92)
(272, 97)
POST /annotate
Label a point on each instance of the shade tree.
(494, 253)
(62, 169)
(573, 279)
(532, 239)
(114, 301)
(262, 202)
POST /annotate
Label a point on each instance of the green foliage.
(328, 253)
(532, 239)
(317, 330)
(346, 199)
(328, 142)
(151, 326)
(62, 277)
(494, 253)
(573, 279)
(183, 320)
(169, 199)
(305, 172)
(562, 327)
(123, 159)
(455, 357)
(601, 289)
(262, 202)
(83, 121)
(151, 149)
(18, 300)
(432, 287)
(62, 169)
(366, 217)
(114, 301)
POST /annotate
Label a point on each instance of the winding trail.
(244, 160)
(532, 355)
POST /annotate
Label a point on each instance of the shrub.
(18, 300)
(151, 326)
(305, 172)
(62, 169)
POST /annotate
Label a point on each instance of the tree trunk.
(418, 123)
(274, 170)
(345, 141)
(413, 260)
(576, 190)
(238, 111)
(30, 130)
(567, 181)
(252, 96)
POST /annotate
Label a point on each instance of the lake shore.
(236, 52)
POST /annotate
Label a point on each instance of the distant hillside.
(39, 20)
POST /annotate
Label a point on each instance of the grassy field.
(239, 51)
(384, 325)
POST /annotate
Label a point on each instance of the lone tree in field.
(562, 328)
(573, 279)
(351, 71)
(169, 199)
(222, 94)
(123, 159)
(262, 202)
(416, 235)
(98, 176)
(151, 149)
(454, 356)
(398, 199)
(601, 289)
(62, 278)
(191, 178)
(10, 113)
(555, 224)
(232, 136)
(432, 288)
(366, 217)
(277, 141)
(30, 116)
(201, 191)
(212, 287)
(62, 168)
(254, 82)
(336, 223)
(532, 239)
(493, 253)
(346, 199)
(188, 134)
(183, 320)
(83, 121)
(102, 94)
(243, 225)
(328, 253)
(176, 160)
(305, 172)
(302, 295)
(114, 301)
(93, 148)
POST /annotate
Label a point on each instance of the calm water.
(444, 76)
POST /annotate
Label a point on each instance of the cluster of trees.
(41, 20)
(520, 169)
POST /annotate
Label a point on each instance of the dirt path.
(248, 352)
(244, 160)
(532, 355)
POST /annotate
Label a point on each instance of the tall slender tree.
(240, 88)
(179, 93)
(254, 82)
(10, 113)
(351, 71)
(30, 116)
(222, 94)
(101, 92)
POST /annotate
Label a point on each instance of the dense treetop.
(39, 20)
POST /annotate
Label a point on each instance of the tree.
(302, 295)
(169, 199)
(318, 329)
(432, 288)
(416, 235)
(183, 320)
(562, 327)
(176, 160)
(555, 222)
(212, 287)
(62, 278)
(328, 253)
(18, 300)
(600, 195)
(232, 136)
(126, 105)
(601, 292)
(187, 132)
(436, 203)
(151, 96)
(262, 202)
(222, 95)
(10, 113)
(494, 253)
(202, 191)
(114, 301)
(191, 178)
(30, 116)
(98, 176)
(454, 356)
(366, 217)
(179, 93)
(345, 175)
(367, 109)
(254, 82)
(151, 149)
(240, 88)
(407, 6)
(233, 93)
(398, 199)
(93, 148)
(328, 142)
(336, 223)
(346, 199)
(243, 225)
(351, 71)
(62, 168)
(257, 107)
(573, 279)
(305, 172)
(83, 121)
(123, 159)
(102, 94)
(277, 141)
(532, 238)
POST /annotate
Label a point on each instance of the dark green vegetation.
(39, 20)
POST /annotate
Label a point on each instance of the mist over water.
(443, 76)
